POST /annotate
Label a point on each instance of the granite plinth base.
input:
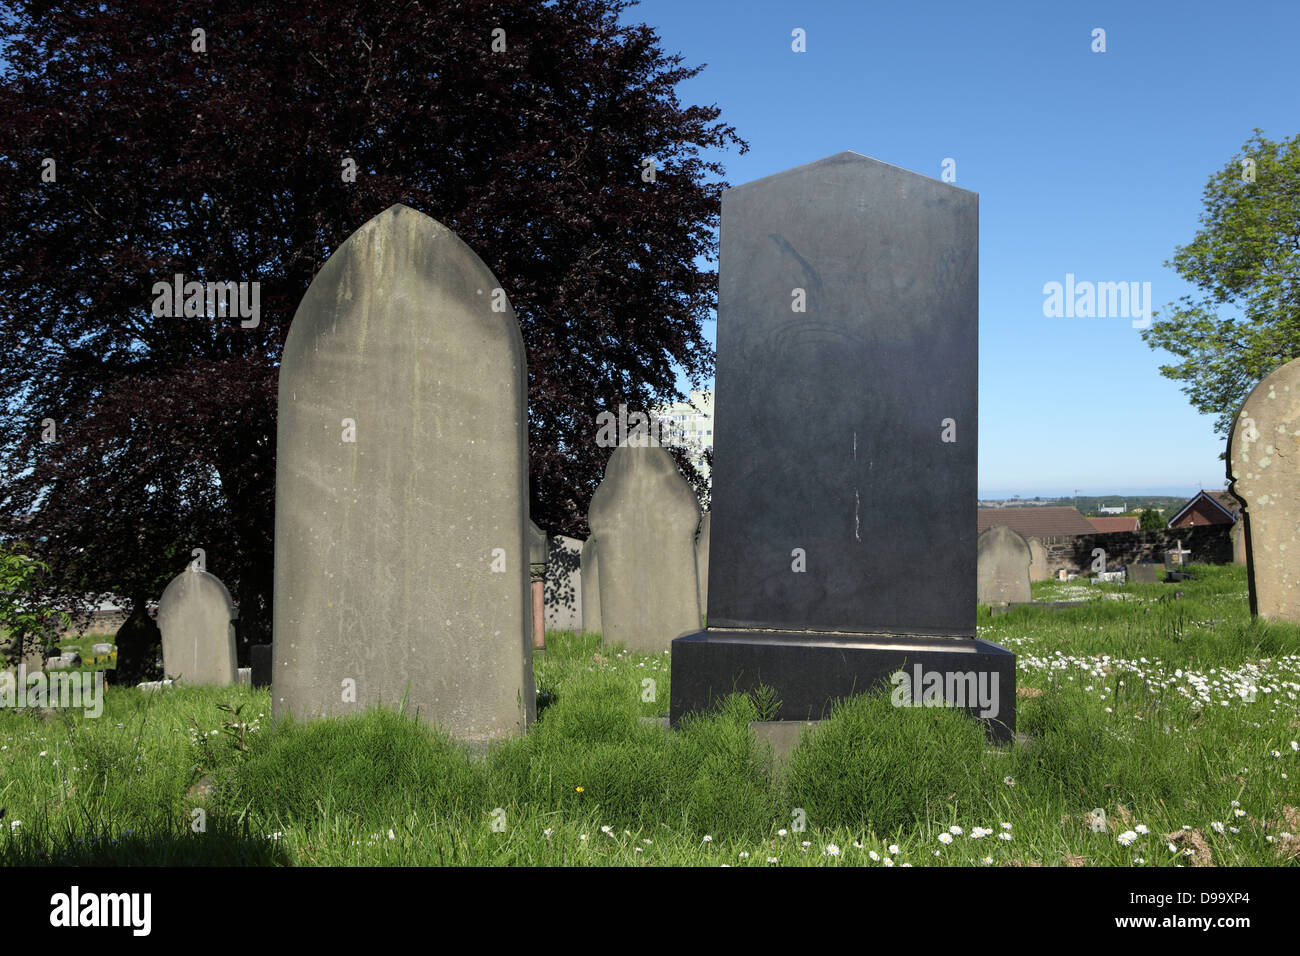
(809, 671)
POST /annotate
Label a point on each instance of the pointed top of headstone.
(401, 488)
(846, 158)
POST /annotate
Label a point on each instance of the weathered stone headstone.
(644, 514)
(702, 564)
(1240, 554)
(401, 550)
(1003, 567)
(1264, 466)
(1038, 561)
(259, 656)
(847, 355)
(564, 584)
(101, 648)
(195, 616)
(1143, 572)
(591, 619)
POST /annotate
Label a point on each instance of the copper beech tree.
(242, 143)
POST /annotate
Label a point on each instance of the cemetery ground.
(1179, 718)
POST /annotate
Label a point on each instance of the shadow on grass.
(200, 849)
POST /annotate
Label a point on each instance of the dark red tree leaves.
(226, 165)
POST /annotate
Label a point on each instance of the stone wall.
(1209, 544)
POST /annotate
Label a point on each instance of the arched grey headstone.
(195, 616)
(401, 553)
(644, 514)
(564, 585)
(702, 562)
(591, 619)
(1264, 465)
(1002, 567)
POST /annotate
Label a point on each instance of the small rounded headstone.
(196, 615)
(1002, 569)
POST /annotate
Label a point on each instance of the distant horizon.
(1167, 491)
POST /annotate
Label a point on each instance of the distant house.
(1035, 522)
(1107, 525)
(1207, 508)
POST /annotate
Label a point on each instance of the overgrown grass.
(1176, 717)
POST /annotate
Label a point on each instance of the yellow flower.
(579, 789)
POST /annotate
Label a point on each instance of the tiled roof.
(1035, 522)
(1115, 524)
(1229, 502)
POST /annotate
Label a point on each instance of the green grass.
(1132, 703)
(82, 645)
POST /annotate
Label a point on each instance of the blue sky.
(1086, 163)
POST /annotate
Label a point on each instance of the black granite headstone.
(844, 471)
(259, 656)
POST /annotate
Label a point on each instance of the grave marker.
(645, 515)
(591, 618)
(702, 563)
(401, 551)
(1003, 560)
(1038, 561)
(1264, 467)
(537, 557)
(196, 617)
(564, 584)
(845, 448)
(1143, 572)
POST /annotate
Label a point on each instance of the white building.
(688, 425)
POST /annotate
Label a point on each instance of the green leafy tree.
(1245, 260)
(1150, 520)
(26, 620)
